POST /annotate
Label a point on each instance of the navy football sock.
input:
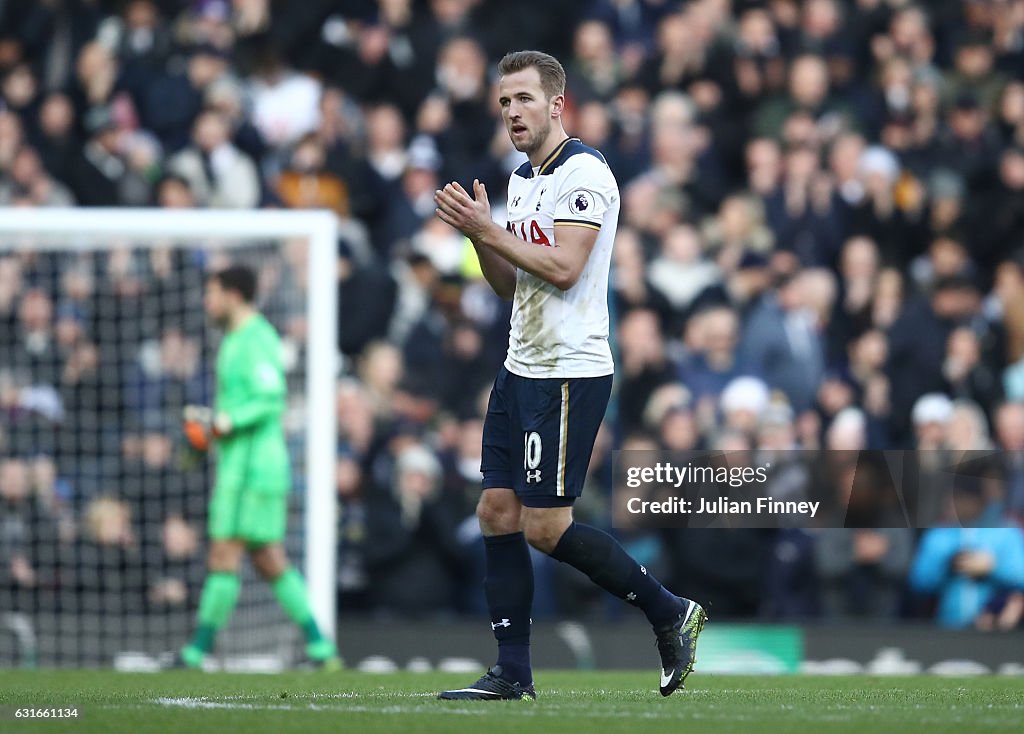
(600, 557)
(509, 589)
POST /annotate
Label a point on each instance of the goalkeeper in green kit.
(248, 510)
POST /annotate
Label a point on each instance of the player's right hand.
(469, 215)
(198, 426)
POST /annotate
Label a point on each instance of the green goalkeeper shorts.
(256, 517)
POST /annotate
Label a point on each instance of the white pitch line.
(526, 709)
(202, 703)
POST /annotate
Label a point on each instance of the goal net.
(103, 504)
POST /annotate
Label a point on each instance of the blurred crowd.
(821, 246)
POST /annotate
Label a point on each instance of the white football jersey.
(559, 333)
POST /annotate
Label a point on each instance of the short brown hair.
(552, 75)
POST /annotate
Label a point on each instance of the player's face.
(216, 302)
(526, 110)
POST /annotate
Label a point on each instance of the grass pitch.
(580, 703)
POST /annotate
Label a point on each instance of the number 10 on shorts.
(531, 456)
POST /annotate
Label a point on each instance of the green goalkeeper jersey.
(251, 391)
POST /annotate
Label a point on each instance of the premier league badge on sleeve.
(581, 202)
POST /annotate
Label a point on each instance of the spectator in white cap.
(742, 402)
(931, 415)
(879, 161)
(848, 431)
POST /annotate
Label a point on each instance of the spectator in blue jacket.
(967, 567)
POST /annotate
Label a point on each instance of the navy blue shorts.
(539, 434)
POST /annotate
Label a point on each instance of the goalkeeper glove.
(202, 425)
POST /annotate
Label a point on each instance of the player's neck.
(554, 140)
(240, 316)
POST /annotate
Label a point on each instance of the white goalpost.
(71, 233)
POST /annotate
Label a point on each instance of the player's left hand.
(197, 425)
(469, 215)
(201, 425)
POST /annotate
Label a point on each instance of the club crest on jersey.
(515, 201)
(539, 200)
(581, 202)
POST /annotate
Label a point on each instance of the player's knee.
(497, 513)
(224, 557)
(269, 561)
(541, 537)
(543, 532)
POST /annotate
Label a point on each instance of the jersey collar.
(553, 156)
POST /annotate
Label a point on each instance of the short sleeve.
(584, 192)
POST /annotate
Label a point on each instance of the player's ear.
(557, 106)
